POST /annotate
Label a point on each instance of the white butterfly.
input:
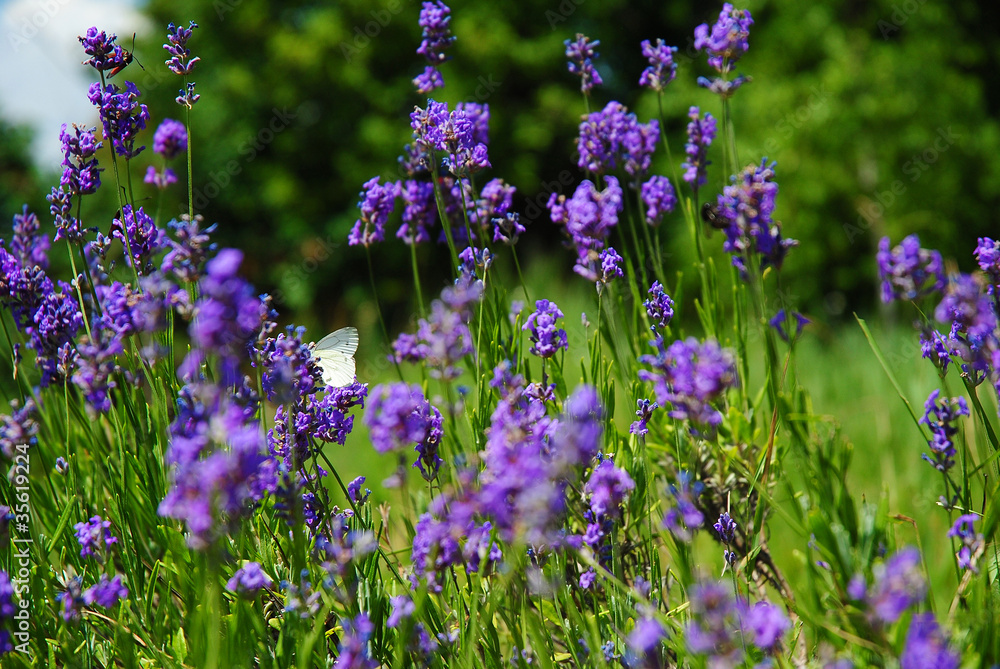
(335, 355)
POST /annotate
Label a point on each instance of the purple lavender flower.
(61, 207)
(353, 652)
(228, 315)
(289, 371)
(121, 114)
(972, 541)
(140, 237)
(377, 202)
(81, 174)
(645, 637)
(399, 415)
(19, 428)
(727, 40)
(898, 586)
(419, 211)
(988, 257)
(128, 311)
(95, 537)
(659, 306)
(968, 309)
(765, 624)
(530, 458)
(684, 517)
(927, 646)
(180, 61)
(935, 347)
(249, 579)
(726, 528)
(940, 417)
(576, 438)
(546, 337)
(97, 368)
(106, 592)
(658, 196)
(104, 53)
(160, 180)
(581, 55)
(435, 19)
(722, 87)
(50, 318)
(170, 138)
(27, 245)
(479, 115)
(588, 217)
(71, 599)
(748, 205)
(781, 319)
(495, 199)
(402, 609)
(662, 68)
(613, 138)
(691, 376)
(608, 486)
(187, 254)
(219, 465)
(610, 266)
(443, 339)
(714, 618)
(189, 97)
(908, 272)
(700, 134)
(7, 606)
(457, 133)
(438, 545)
(354, 492)
(644, 412)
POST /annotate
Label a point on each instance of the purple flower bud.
(105, 592)
(581, 54)
(700, 134)
(249, 579)
(377, 202)
(546, 337)
(170, 138)
(662, 68)
(95, 537)
(908, 271)
(180, 61)
(658, 196)
(727, 39)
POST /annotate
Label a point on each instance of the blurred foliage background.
(302, 102)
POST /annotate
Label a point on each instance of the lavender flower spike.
(546, 336)
(580, 53)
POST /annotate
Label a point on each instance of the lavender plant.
(189, 444)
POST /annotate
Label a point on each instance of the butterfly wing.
(335, 355)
